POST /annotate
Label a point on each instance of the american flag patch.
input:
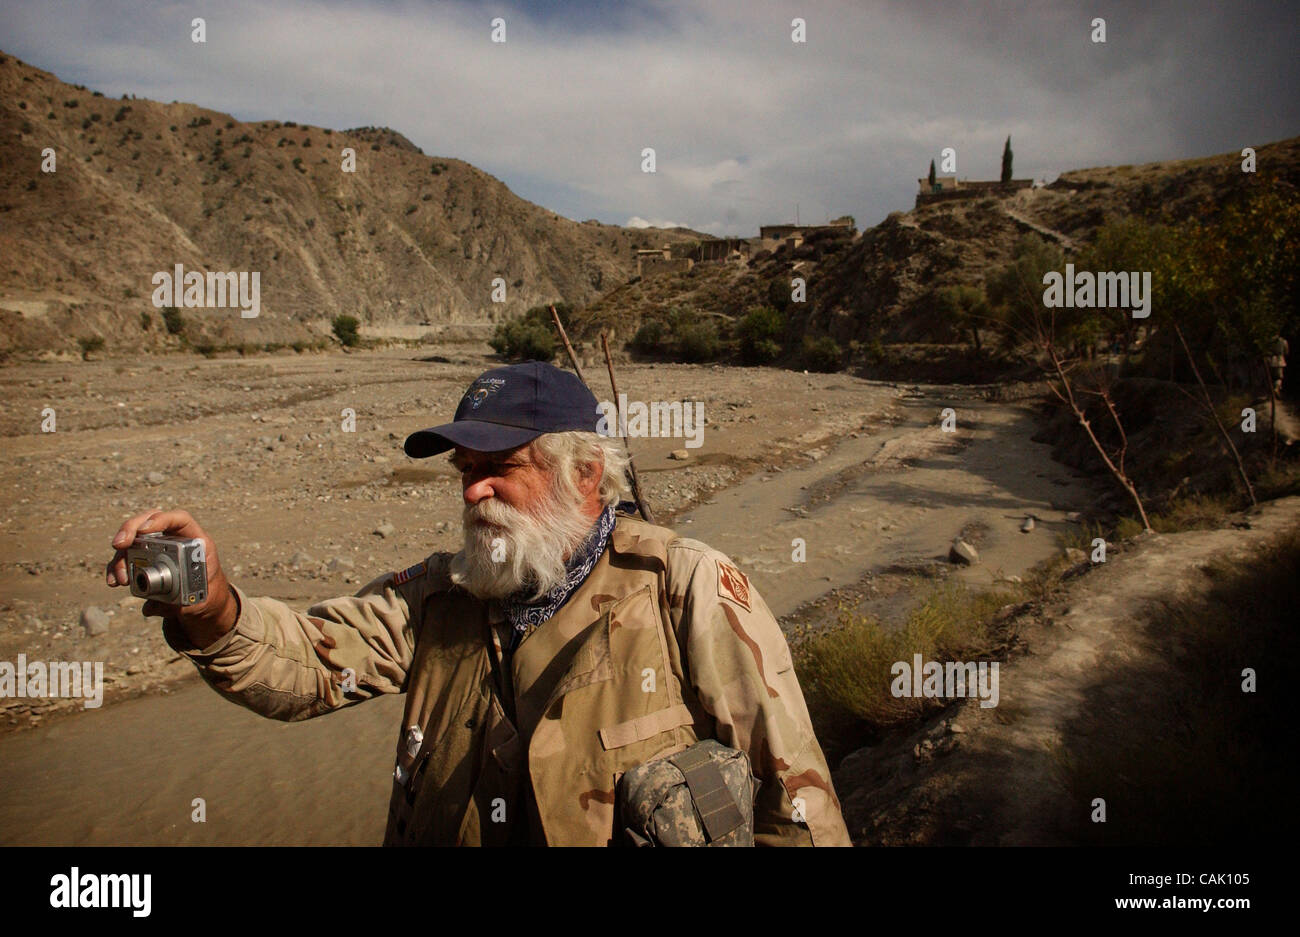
(407, 575)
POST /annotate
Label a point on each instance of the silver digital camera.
(172, 570)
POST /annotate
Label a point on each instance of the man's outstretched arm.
(279, 662)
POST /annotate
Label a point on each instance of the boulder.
(963, 553)
(95, 621)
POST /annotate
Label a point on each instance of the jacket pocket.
(644, 727)
(442, 777)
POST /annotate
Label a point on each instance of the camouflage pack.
(703, 796)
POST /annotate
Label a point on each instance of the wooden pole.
(573, 359)
(641, 506)
(631, 465)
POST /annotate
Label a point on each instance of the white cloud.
(636, 221)
(746, 124)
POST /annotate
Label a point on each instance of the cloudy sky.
(747, 125)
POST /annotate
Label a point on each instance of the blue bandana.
(524, 616)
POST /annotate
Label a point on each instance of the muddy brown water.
(129, 773)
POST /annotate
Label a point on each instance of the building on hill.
(946, 188)
(772, 236)
(652, 263)
(683, 257)
(721, 250)
(781, 232)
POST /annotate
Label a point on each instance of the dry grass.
(1186, 512)
(845, 669)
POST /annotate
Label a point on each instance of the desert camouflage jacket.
(663, 644)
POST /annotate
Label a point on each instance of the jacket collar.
(634, 537)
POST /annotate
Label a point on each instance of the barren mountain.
(140, 186)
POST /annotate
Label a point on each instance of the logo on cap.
(482, 389)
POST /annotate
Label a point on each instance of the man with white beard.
(554, 668)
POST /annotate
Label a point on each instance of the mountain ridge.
(139, 186)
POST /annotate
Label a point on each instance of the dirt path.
(862, 472)
(1051, 234)
(994, 776)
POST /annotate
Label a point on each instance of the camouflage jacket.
(663, 644)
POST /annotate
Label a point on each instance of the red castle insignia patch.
(732, 584)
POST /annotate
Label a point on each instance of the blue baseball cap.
(507, 407)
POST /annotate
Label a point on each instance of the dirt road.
(863, 473)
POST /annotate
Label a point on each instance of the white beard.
(508, 550)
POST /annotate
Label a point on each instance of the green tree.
(649, 338)
(345, 330)
(698, 341)
(759, 332)
(531, 337)
(968, 310)
(932, 174)
(1015, 292)
(1006, 162)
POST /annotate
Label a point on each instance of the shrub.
(90, 344)
(345, 330)
(649, 338)
(847, 669)
(525, 339)
(698, 342)
(172, 320)
(146, 321)
(821, 354)
(759, 331)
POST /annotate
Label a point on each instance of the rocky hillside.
(140, 186)
(882, 287)
(878, 288)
